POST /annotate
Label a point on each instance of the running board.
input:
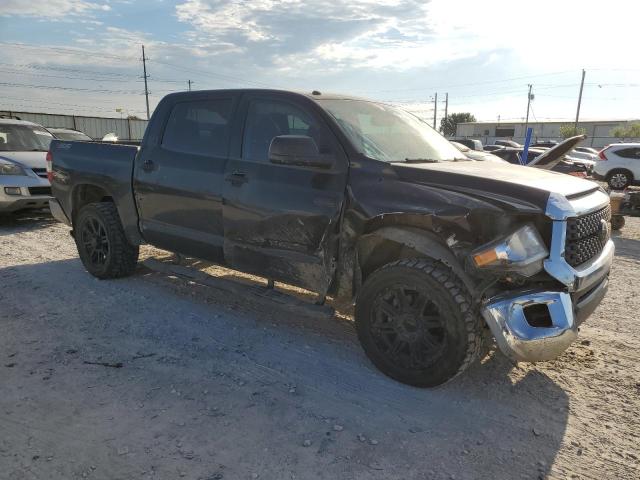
(260, 293)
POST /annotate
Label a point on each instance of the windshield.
(64, 135)
(386, 133)
(23, 138)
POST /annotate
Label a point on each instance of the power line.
(471, 83)
(118, 80)
(69, 51)
(73, 89)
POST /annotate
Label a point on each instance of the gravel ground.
(157, 377)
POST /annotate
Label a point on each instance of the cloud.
(54, 9)
(275, 31)
(401, 35)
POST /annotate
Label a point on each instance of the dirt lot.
(214, 385)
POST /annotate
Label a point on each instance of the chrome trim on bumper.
(584, 276)
(560, 208)
(520, 341)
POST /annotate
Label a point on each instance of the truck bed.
(93, 165)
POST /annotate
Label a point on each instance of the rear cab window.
(200, 127)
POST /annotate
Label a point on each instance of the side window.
(199, 127)
(629, 153)
(267, 119)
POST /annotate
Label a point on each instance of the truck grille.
(587, 236)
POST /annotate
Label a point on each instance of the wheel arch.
(391, 243)
(624, 170)
(86, 193)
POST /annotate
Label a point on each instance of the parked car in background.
(475, 154)
(507, 143)
(582, 155)
(23, 173)
(587, 150)
(491, 148)
(69, 134)
(619, 165)
(354, 199)
(471, 143)
(544, 144)
(513, 155)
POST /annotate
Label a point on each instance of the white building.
(598, 131)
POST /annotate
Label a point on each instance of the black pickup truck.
(353, 199)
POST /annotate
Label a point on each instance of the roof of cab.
(314, 95)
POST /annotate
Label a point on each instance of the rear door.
(179, 178)
(629, 157)
(282, 221)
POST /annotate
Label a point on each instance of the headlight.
(11, 169)
(522, 252)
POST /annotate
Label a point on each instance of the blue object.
(525, 152)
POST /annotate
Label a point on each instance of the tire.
(425, 350)
(617, 222)
(619, 179)
(102, 245)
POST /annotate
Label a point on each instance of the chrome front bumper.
(538, 325)
(518, 339)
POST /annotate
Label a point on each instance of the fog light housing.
(12, 190)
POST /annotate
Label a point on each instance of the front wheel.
(415, 322)
(102, 245)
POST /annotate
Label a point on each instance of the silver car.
(23, 168)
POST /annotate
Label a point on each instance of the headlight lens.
(522, 252)
(11, 169)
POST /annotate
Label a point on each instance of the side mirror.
(298, 150)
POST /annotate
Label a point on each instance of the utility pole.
(446, 106)
(526, 123)
(435, 110)
(146, 88)
(575, 127)
(189, 82)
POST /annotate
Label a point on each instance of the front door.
(282, 221)
(178, 181)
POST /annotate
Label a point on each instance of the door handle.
(147, 165)
(237, 178)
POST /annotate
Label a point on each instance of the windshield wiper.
(418, 160)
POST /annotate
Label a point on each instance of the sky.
(84, 57)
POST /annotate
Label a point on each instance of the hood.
(26, 159)
(514, 184)
(551, 157)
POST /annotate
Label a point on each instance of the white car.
(579, 154)
(589, 164)
(23, 167)
(619, 165)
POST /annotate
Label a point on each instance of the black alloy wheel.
(407, 327)
(95, 241)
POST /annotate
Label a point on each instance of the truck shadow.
(491, 419)
(25, 221)
(627, 247)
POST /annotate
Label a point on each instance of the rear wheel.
(619, 179)
(103, 247)
(415, 322)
